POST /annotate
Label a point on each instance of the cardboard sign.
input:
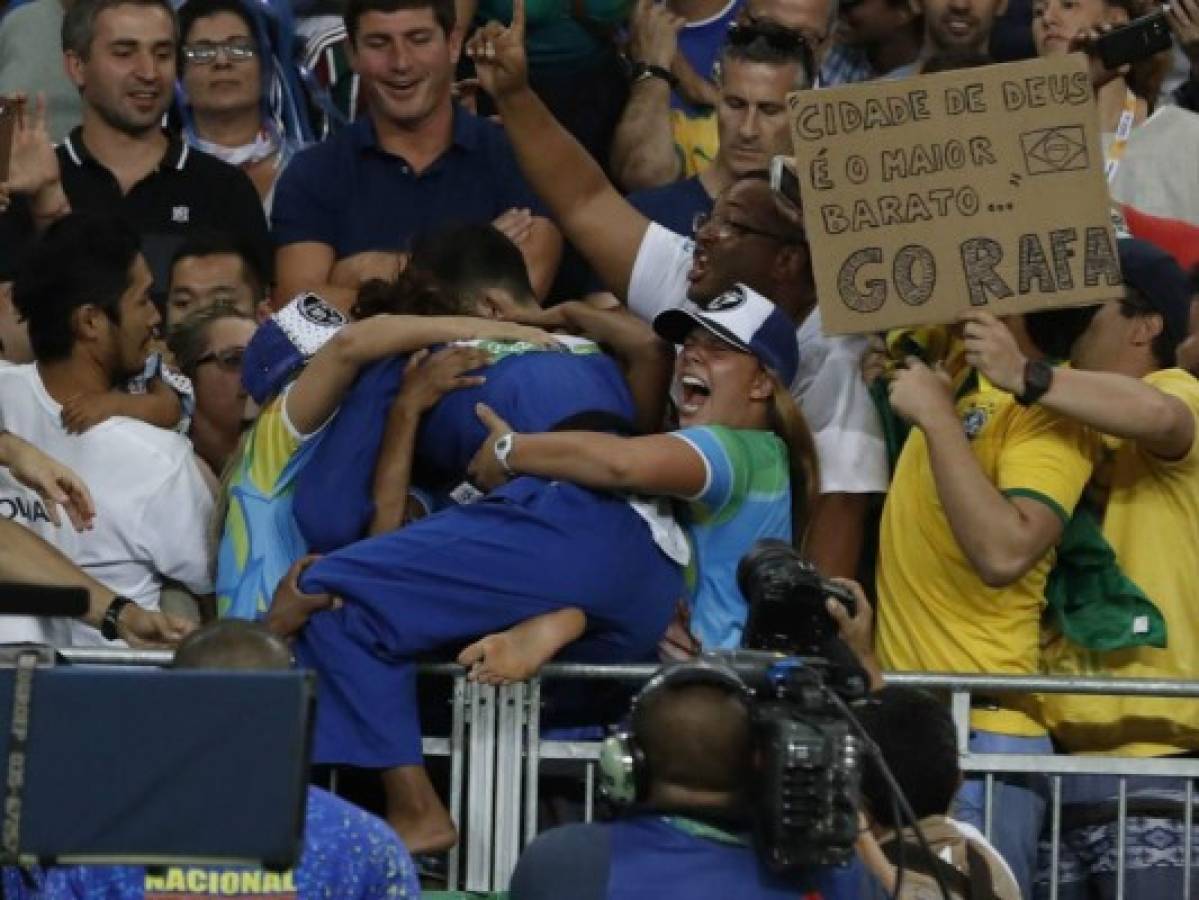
(927, 196)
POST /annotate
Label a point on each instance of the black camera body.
(811, 772)
(807, 806)
(808, 786)
(786, 595)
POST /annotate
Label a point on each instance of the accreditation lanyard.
(1116, 151)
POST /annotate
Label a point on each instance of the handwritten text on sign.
(926, 196)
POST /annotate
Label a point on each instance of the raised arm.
(589, 210)
(1002, 537)
(329, 374)
(33, 170)
(1119, 405)
(657, 464)
(643, 152)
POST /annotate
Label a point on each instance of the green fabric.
(905, 343)
(1042, 498)
(895, 429)
(1091, 601)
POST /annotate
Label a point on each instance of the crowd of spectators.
(404, 330)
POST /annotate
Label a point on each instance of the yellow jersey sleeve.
(1046, 457)
(1183, 386)
(272, 445)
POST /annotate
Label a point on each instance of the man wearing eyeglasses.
(653, 146)
(750, 237)
(121, 55)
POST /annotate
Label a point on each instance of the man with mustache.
(84, 290)
(959, 29)
(121, 56)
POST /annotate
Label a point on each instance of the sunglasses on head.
(782, 40)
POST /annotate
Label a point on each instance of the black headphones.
(623, 770)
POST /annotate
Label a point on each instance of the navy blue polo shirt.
(351, 194)
(674, 205)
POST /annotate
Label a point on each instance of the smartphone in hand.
(1135, 41)
(783, 180)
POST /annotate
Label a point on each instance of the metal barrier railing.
(989, 765)
(496, 749)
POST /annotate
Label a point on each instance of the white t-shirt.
(152, 507)
(828, 386)
(1159, 174)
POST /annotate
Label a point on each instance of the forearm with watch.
(651, 464)
(588, 458)
(643, 151)
(1115, 404)
(26, 557)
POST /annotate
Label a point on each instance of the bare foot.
(519, 653)
(424, 835)
(415, 812)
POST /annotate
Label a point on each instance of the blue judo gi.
(529, 547)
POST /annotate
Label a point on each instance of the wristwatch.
(1038, 376)
(502, 448)
(108, 625)
(643, 70)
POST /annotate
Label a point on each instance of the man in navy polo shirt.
(345, 209)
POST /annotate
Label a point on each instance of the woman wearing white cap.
(742, 460)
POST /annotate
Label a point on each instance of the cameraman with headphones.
(687, 766)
